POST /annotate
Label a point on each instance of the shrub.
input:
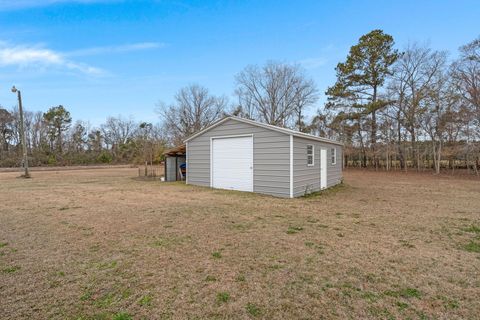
(104, 157)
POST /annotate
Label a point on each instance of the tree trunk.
(59, 140)
(373, 138)
(399, 144)
(412, 147)
(413, 140)
(476, 165)
(387, 156)
(364, 152)
(437, 153)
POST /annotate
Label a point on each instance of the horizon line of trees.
(54, 139)
(393, 110)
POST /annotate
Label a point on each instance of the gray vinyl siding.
(308, 177)
(271, 157)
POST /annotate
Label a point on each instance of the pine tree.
(360, 78)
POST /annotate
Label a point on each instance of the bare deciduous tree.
(466, 77)
(276, 92)
(439, 102)
(467, 72)
(193, 110)
(117, 132)
(413, 75)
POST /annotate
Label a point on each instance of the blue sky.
(111, 57)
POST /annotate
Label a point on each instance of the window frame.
(333, 156)
(312, 155)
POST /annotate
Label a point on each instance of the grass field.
(97, 244)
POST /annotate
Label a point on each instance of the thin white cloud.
(40, 58)
(25, 4)
(313, 63)
(116, 49)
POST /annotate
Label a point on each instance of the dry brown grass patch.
(99, 244)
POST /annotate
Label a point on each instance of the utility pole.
(22, 133)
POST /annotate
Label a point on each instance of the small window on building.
(333, 153)
(310, 153)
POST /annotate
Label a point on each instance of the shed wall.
(271, 157)
(307, 178)
(172, 170)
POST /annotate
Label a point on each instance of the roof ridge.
(267, 126)
(286, 130)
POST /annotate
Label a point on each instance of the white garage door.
(232, 163)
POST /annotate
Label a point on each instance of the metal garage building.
(240, 154)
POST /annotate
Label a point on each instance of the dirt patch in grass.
(89, 244)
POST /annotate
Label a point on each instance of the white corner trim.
(291, 166)
(253, 163)
(211, 162)
(186, 161)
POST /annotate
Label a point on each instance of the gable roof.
(266, 126)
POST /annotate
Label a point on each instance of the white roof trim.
(266, 126)
(213, 125)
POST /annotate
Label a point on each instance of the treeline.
(53, 139)
(407, 109)
(393, 109)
